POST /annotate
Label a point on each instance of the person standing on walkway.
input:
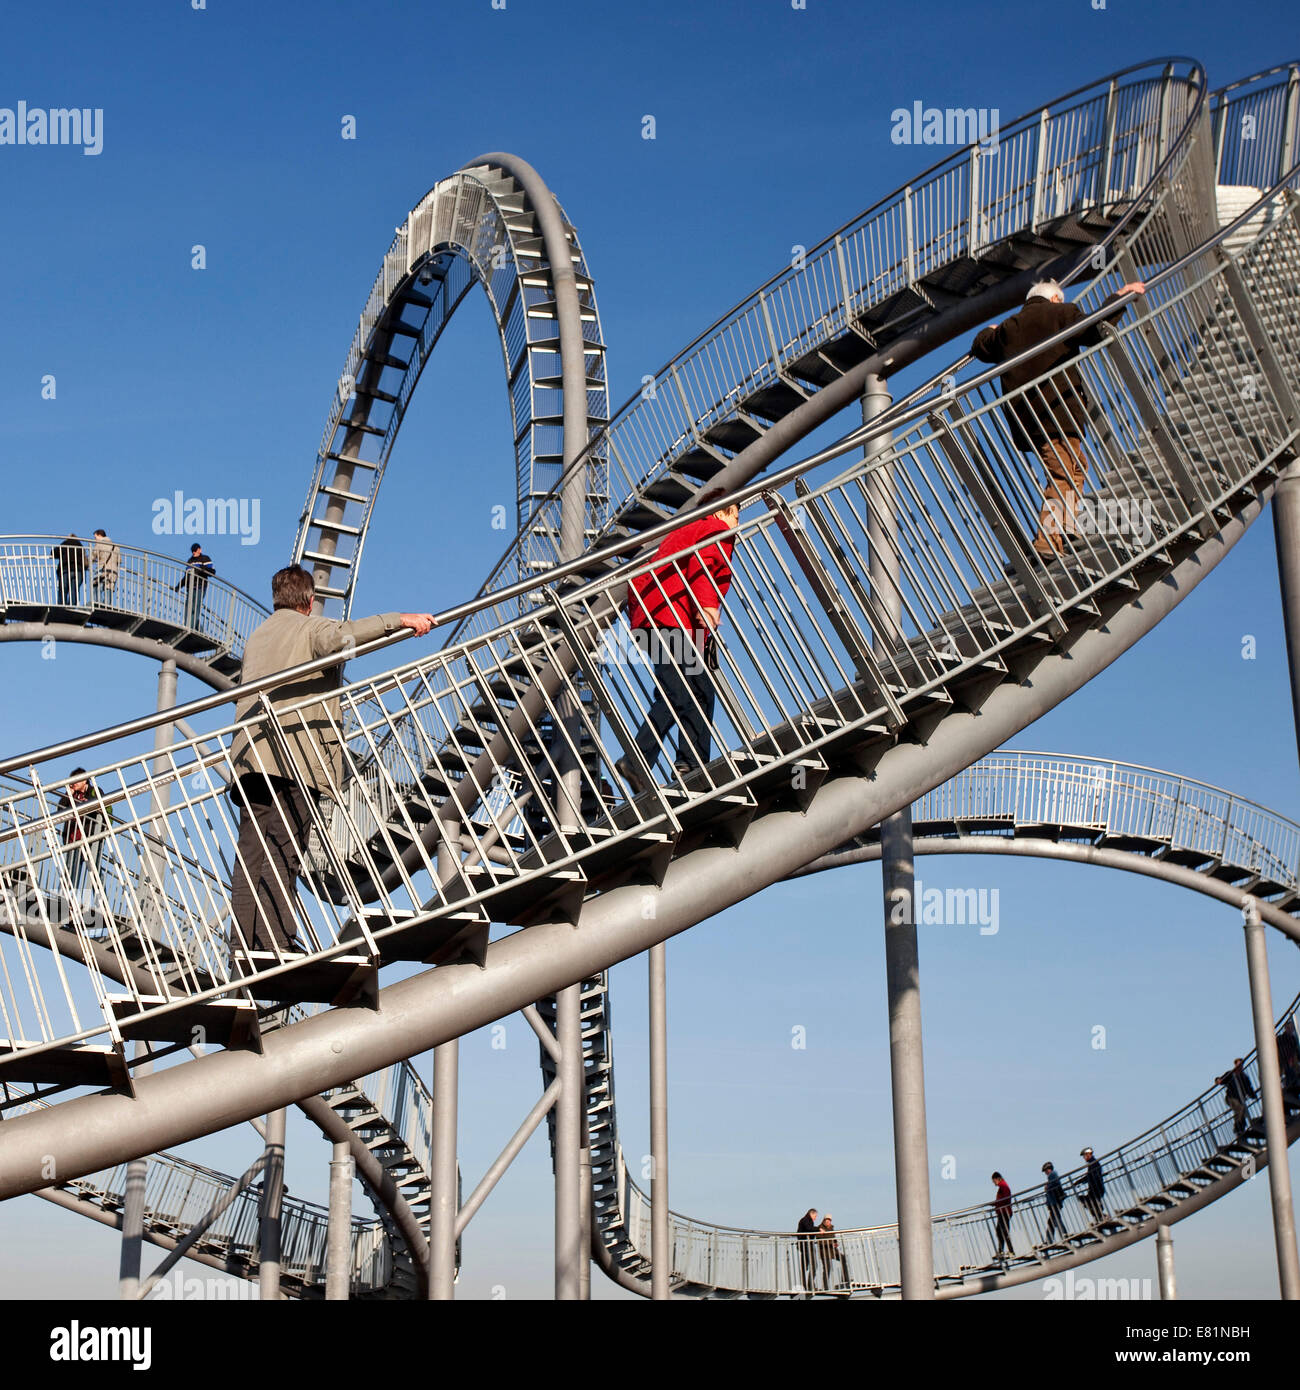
(678, 606)
(82, 829)
(1054, 1195)
(104, 560)
(275, 779)
(829, 1249)
(1238, 1092)
(1094, 1186)
(70, 566)
(198, 570)
(806, 1234)
(1050, 420)
(1002, 1216)
(1288, 1061)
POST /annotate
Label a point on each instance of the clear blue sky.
(222, 128)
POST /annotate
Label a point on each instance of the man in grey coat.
(273, 779)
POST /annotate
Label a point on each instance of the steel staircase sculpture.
(147, 600)
(494, 223)
(179, 1193)
(970, 639)
(1114, 814)
(1244, 161)
(819, 722)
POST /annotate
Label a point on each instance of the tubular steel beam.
(568, 1142)
(902, 952)
(119, 641)
(507, 1156)
(271, 1209)
(180, 1103)
(1165, 1263)
(442, 1232)
(338, 1256)
(1270, 1089)
(1286, 536)
(660, 1249)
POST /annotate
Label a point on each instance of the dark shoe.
(631, 775)
(683, 769)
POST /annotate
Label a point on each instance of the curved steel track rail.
(494, 223)
(1208, 490)
(1102, 812)
(144, 608)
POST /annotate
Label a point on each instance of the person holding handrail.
(1054, 1194)
(805, 1236)
(105, 557)
(272, 790)
(829, 1248)
(1002, 1216)
(1054, 422)
(198, 570)
(70, 567)
(677, 606)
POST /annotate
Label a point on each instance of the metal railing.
(180, 1193)
(1118, 801)
(1098, 147)
(152, 589)
(866, 1261)
(461, 215)
(1257, 127)
(812, 656)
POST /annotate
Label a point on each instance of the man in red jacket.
(677, 606)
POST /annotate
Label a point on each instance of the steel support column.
(268, 1269)
(1165, 1263)
(338, 1255)
(902, 956)
(569, 1253)
(446, 1199)
(660, 1254)
(1286, 536)
(138, 1169)
(1270, 1090)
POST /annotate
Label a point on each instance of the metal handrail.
(179, 1191)
(797, 676)
(1200, 1128)
(893, 419)
(1027, 122)
(144, 583)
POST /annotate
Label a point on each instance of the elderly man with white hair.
(1050, 420)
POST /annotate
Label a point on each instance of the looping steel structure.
(890, 624)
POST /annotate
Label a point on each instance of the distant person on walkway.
(104, 560)
(70, 566)
(1288, 1061)
(1002, 1215)
(829, 1248)
(198, 570)
(1054, 1194)
(1052, 420)
(272, 790)
(678, 605)
(1238, 1092)
(1094, 1186)
(85, 821)
(806, 1234)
